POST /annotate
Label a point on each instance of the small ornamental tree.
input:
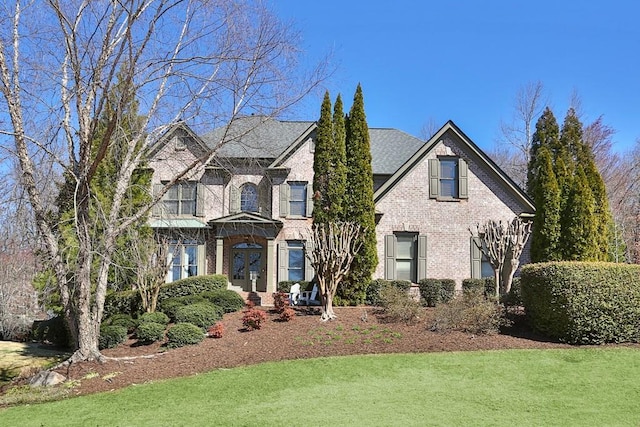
(502, 244)
(331, 248)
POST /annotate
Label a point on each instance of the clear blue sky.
(465, 60)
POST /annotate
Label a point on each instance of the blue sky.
(421, 61)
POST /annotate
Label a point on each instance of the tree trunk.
(327, 307)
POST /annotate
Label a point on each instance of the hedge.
(123, 302)
(202, 314)
(285, 285)
(227, 299)
(111, 336)
(192, 286)
(436, 291)
(583, 302)
(155, 317)
(150, 332)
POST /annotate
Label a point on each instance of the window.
(295, 261)
(180, 199)
(448, 178)
(480, 265)
(405, 256)
(295, 199)
(292, 263)
(184, 259)
(249, 198)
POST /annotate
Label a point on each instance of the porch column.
(219, 254)
(271, 266)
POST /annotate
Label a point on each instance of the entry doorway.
(247, 263)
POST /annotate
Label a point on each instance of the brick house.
(246, 213)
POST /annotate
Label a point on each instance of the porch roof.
(178, 223)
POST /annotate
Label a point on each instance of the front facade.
(246, 213)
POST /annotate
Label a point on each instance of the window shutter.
(434, 178)
(309, 200)
(200, 199)
(283, 270)
(463, 175)
(234, 199)
(156, 210)
(284, 199)
(476, 258)
(422, 257)
(308, 268)
(390, 257)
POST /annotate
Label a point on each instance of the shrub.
(126, 302)
(149, 332)
(436, 291)
(473, 286)
(285, 285)
(156, 317)
(287, 314)
(280, 301)
(583, 302)
(184, 334)
(122, 319)
(216, 331)
(111, 336)
(471, 312)
(398, 305)
(253, 318)
(514, 297)
(227, 299)
(372, 293)
(170, 305)
(202, 314)
(192, 286)
(54, 330)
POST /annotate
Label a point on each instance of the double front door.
(248, 267)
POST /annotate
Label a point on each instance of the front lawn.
(585, 386)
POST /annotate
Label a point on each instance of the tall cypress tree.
(322, 163)
(545, 238)
(547, 134)
(358, 202)
(578, 222)
(338, 173)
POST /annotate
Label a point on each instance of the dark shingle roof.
(268, 138)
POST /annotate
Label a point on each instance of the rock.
(47, 378)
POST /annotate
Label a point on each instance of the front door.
(248, 272)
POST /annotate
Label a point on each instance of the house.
(245, 214)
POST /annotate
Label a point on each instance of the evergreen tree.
(338, 178)
(578, 223)
(545, 238)
(322, 163)
(547, 134)
(358, 202)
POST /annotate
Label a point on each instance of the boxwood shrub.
(202, 314)
(436, 291)
(583, 302)
(111, 336)
(149, 332)
(155, 317)
(170, 305)
(192, 286)
(227, 299)
(122, 319)
(184, 334)
(126, 302)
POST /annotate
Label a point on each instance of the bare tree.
(429, 128)
(203, 62)
(514, 143)
(502, 244)
(152, 259)
(330, 248)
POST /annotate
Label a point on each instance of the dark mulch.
(357, 330)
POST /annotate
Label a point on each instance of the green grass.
(573, 387)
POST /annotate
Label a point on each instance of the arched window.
(249, 198)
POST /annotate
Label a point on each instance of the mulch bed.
(357, 330)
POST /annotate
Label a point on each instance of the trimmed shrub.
(253, 318)
(216, 331)
(122, 319)
(170, 305)
(111, 336)
(227, 299)
(156, 317)
(398, 305)
(473, 285)
(436, 291)
(149, 332)
(123, 302)
(184, 334)
(287, 314)
(372, 293)
(471, 312)
(514, 297)
(54, 330)
(192, 286)
(202, 314)
(583, 302)
(285, 285)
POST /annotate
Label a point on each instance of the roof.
(268, 138)
(178, 223)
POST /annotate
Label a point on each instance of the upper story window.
(181, 199)
(249, 198)
(298, 198)
(448, 178)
